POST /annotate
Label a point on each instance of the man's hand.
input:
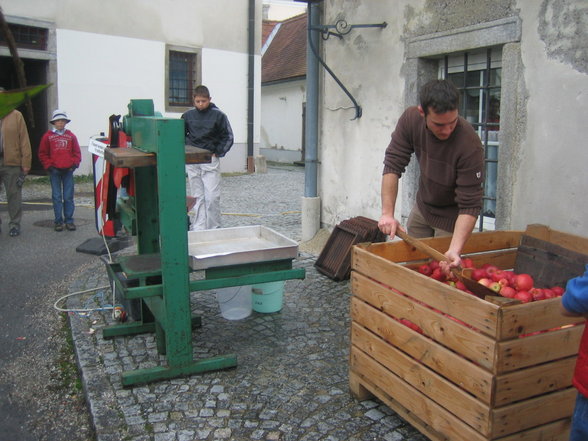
(388, 225)
(454, 261)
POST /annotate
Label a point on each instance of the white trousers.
(204, 181)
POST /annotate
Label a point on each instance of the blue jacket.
(575, 300)
(209, 129)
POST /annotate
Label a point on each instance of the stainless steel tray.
(238, 245)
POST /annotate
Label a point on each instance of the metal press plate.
(238, 245)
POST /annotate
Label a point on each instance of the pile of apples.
(504, 282)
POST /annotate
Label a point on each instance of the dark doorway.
(36, 74)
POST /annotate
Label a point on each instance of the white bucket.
(235, 302)
(267, 297)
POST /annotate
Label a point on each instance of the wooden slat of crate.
(556, 431)
(441, 420)
(480, 314)
(416, 403)
(533, 412)
(451, 365)
(530, 317)
(463, 340)
(443, 392)
(536, 349)
(487, 422)
(493, 390)
(536, 380)
(497, 241)
(572, 242)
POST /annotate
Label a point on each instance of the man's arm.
(463, 229)
(389, 192)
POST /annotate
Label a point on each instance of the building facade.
(522, 68)
(100, 55)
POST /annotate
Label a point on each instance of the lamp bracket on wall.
(342, 28)
(339, 30)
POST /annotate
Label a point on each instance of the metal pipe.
(312, 89)
(251, 87)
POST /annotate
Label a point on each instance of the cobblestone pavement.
(291, 382)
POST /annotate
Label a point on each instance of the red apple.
(538, 294)
(466, 262)
(490, 269)
(411, 325)
(459, 285)
(523, 282)
(504, 282)
(479, 273)
(507, 291)
(434, 264)
(438, 274)
(425, 270)
(509, 275)
(524, 296)
(497, 275)
(558, 290)
(549, 293)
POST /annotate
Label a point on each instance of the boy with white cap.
(59, 153)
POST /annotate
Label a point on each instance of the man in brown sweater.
(451, 162)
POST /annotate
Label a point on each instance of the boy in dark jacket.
(208, 128)
(575, 303)
(59, 153)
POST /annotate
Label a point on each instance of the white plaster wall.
(94, 84)
(219, 24)
(281, 115)
(551, 178)
(369, 63)
(549, 171)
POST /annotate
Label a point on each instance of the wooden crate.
(472, 372)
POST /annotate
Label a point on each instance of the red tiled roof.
(285, 58)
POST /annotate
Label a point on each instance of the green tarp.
(11, 99)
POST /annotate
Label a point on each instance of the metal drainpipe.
(251, 87)
(310, 201)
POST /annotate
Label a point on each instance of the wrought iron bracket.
(339, 30)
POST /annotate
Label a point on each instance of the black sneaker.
(70, 227)
(14, 231)
(58, 227)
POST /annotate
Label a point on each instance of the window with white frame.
(183, 75)
(477, 75)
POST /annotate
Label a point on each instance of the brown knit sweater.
(452, 171)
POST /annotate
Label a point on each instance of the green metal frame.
(160, 272)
